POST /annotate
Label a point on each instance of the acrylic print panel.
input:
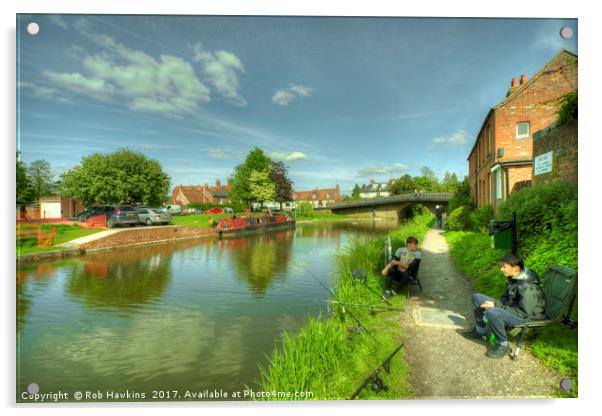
(207, 206)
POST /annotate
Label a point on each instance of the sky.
(339, 100)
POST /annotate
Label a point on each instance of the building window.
(522, 130)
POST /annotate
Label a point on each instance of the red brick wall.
(148, 234)
(564, 143)
(535, 103)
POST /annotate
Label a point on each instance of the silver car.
(150, 216)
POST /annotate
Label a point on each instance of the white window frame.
(528, 130)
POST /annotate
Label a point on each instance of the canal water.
(192, 315)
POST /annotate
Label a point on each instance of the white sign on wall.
(543, 163)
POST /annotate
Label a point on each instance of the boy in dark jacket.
(522, 301)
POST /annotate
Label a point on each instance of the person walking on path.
(522, 301)
(439, 215)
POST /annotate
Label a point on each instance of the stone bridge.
(393, 206)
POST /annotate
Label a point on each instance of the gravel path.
(442, 363)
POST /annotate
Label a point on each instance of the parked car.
(117, 214)
(228, 210)
(150, 216)
(173, 209)
(214, 211)
(84, 214)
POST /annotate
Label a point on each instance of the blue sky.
(338, 99)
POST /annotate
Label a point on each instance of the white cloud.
(78, 83)
(43, 91)
(286, 96)
(381, 169)
(58, 21)
(288, 156)
(221, 69)
(218, 154)
(460, 137)
(167, 85)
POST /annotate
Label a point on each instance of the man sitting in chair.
(522, 301)
(397, 269)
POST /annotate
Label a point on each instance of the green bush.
(546, 216)
(306, 209)
(568, 111)
(459, 219)
(461, 196)
(481, 216)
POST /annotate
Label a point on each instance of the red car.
(214, 211)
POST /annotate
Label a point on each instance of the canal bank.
(335, 353)
(119, 238)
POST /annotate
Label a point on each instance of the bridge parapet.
(417, 197)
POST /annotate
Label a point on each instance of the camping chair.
(560, 288)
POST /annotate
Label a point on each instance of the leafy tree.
(256, 160)
(306, 209)
(262, 188)
(355, 194)
(284, 186)
(403, 185)
(424, 183)
(121, 177)
(450, 182)
(461, 196)
(428, 173)
(24, 189)
(40, 176)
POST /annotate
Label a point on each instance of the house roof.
(516, 92)
(375, 187)
(219, 193)
(320, 195)
(194, 194)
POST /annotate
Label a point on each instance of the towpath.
(442, 363)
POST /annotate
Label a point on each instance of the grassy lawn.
(329, 356)
(556, 347)
(64, 233)
(202, 220)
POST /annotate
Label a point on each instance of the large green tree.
(403, 185)
(284, 186)
(240, 191)
(121, 177)
(355, 194)
(262, 187)
(40, 177)
(450, 182)
(461, 196)
(24, 189)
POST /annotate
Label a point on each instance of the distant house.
(374, 189)
(201, 194)
(501, 160)
(319, 197)
(58, 207)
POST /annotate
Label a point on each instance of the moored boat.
(231, 227)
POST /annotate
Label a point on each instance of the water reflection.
(259, 259)
(133, 277)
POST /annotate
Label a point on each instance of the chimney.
(523, 79)
(514, 82)
(218, 184)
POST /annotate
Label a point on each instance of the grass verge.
(330, 356)
(64, 233)
(556, 347)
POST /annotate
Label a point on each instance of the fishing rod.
(374, 379)
(364, 305)
(360, 275)
(357, 321)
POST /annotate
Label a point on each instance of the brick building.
(201, 194)
(319, 197)
(501, 160)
